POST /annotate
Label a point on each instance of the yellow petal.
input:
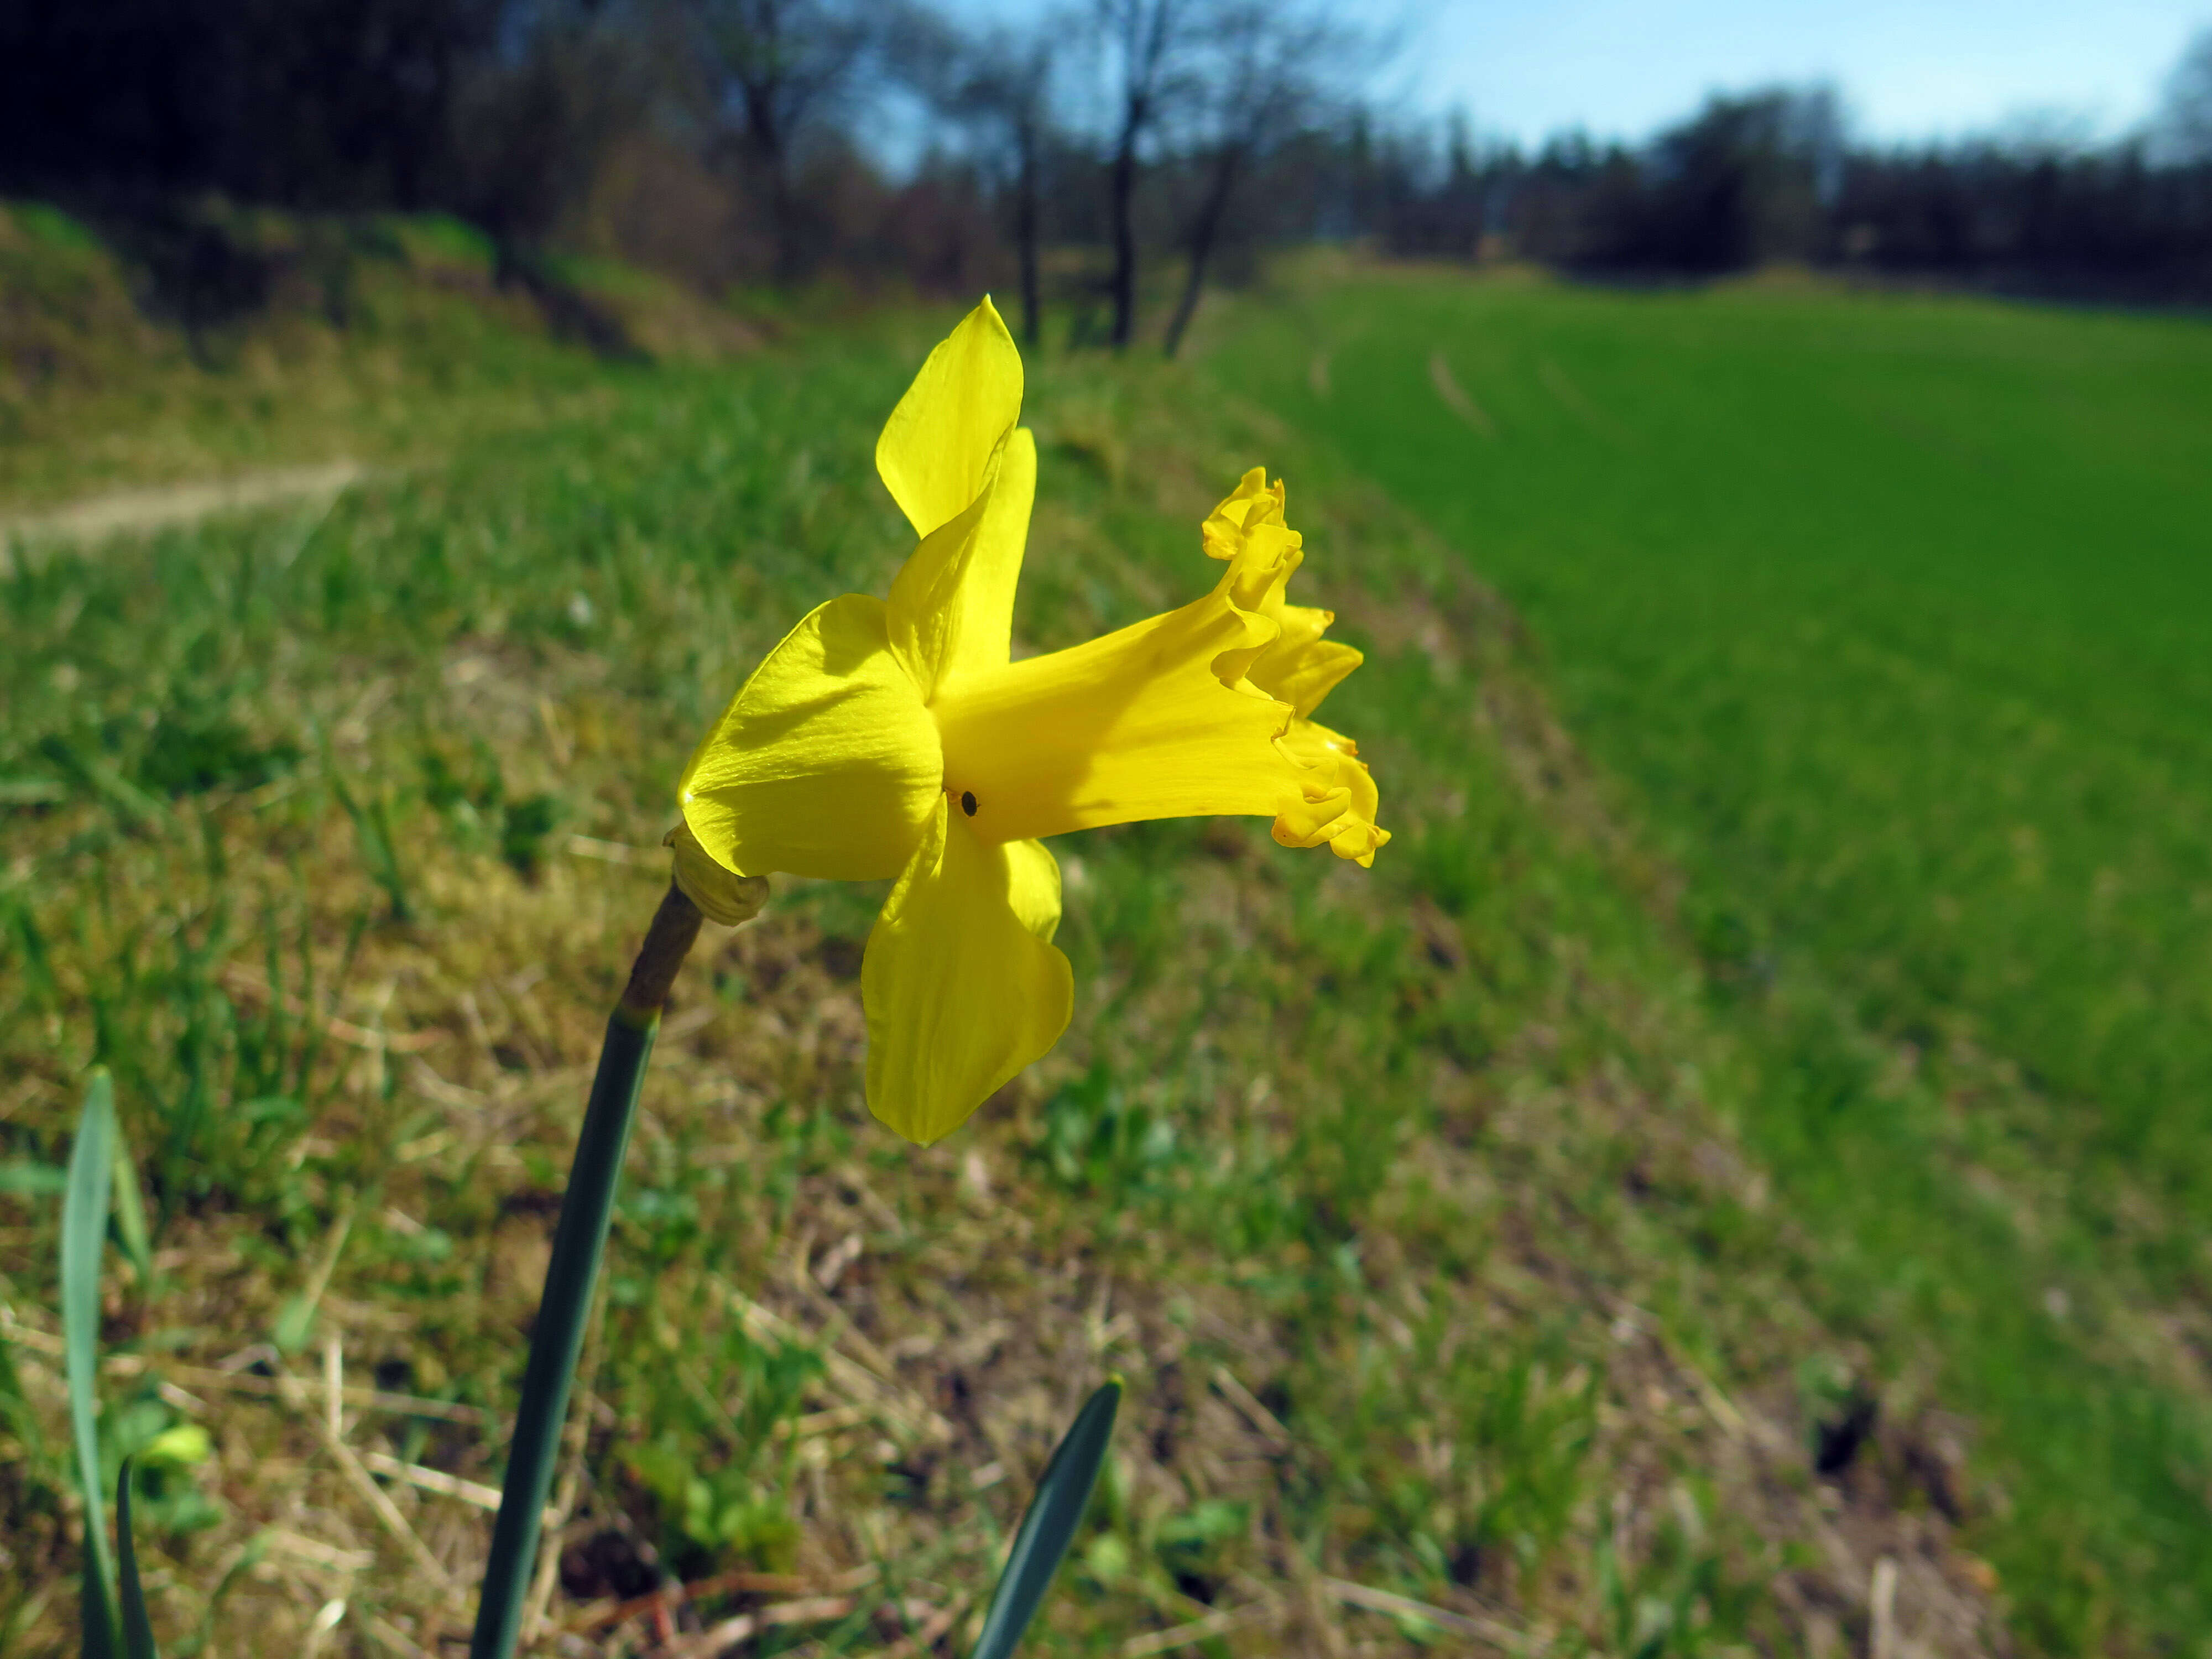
(1137, 725)
(1338, 799)
(1301, 667)
(1033, 886)
(1195, 712)
(826, 764)
(935, 446)
(953, 604)
(962, 986)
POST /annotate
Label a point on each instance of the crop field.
(1890, 619)
(1723, 1182)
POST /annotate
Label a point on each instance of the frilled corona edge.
(1202, 711)
(1295, 666)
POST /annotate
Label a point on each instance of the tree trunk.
(783, 211)
(771, 162)
(772, 167)
(1025, 235)
(1203, 230)
(1125, 231)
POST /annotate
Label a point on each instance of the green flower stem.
(578, 1241)
(84, 1237)
(1048, 1524)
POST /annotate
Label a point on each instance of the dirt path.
(124, 512)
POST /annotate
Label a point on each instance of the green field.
(1736, 1135)
(1891, 619)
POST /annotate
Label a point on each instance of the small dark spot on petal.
(968, 802)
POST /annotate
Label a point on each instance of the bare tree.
(1012, 83)
(1261, 71)
(2185, 118)
(781, 69)
(997, 85)
(536, 121)
(1146, 37)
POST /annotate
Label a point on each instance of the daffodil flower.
(900, 740)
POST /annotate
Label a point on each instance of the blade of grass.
(1049, 1526)
(379, 852)
(16, 1409)
(578, 1241)
(84, 1230)
(23, 1179)
(137, 809)
(131, 1230)
(137, 1629)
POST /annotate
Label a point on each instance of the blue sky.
(1908, 68)
(1936, 68)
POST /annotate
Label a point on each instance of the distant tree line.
(719, 141)
(1104, 161)
(1774, 176)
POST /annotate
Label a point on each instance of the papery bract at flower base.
(722, 895)
(897, 740)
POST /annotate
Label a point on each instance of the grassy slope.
(1889, 614)
(1408, 1201)
(428, 351)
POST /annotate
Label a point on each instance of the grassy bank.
(1887, 616)
(238, 340)
(1426, 1209)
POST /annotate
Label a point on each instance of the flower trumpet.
(898, 739)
